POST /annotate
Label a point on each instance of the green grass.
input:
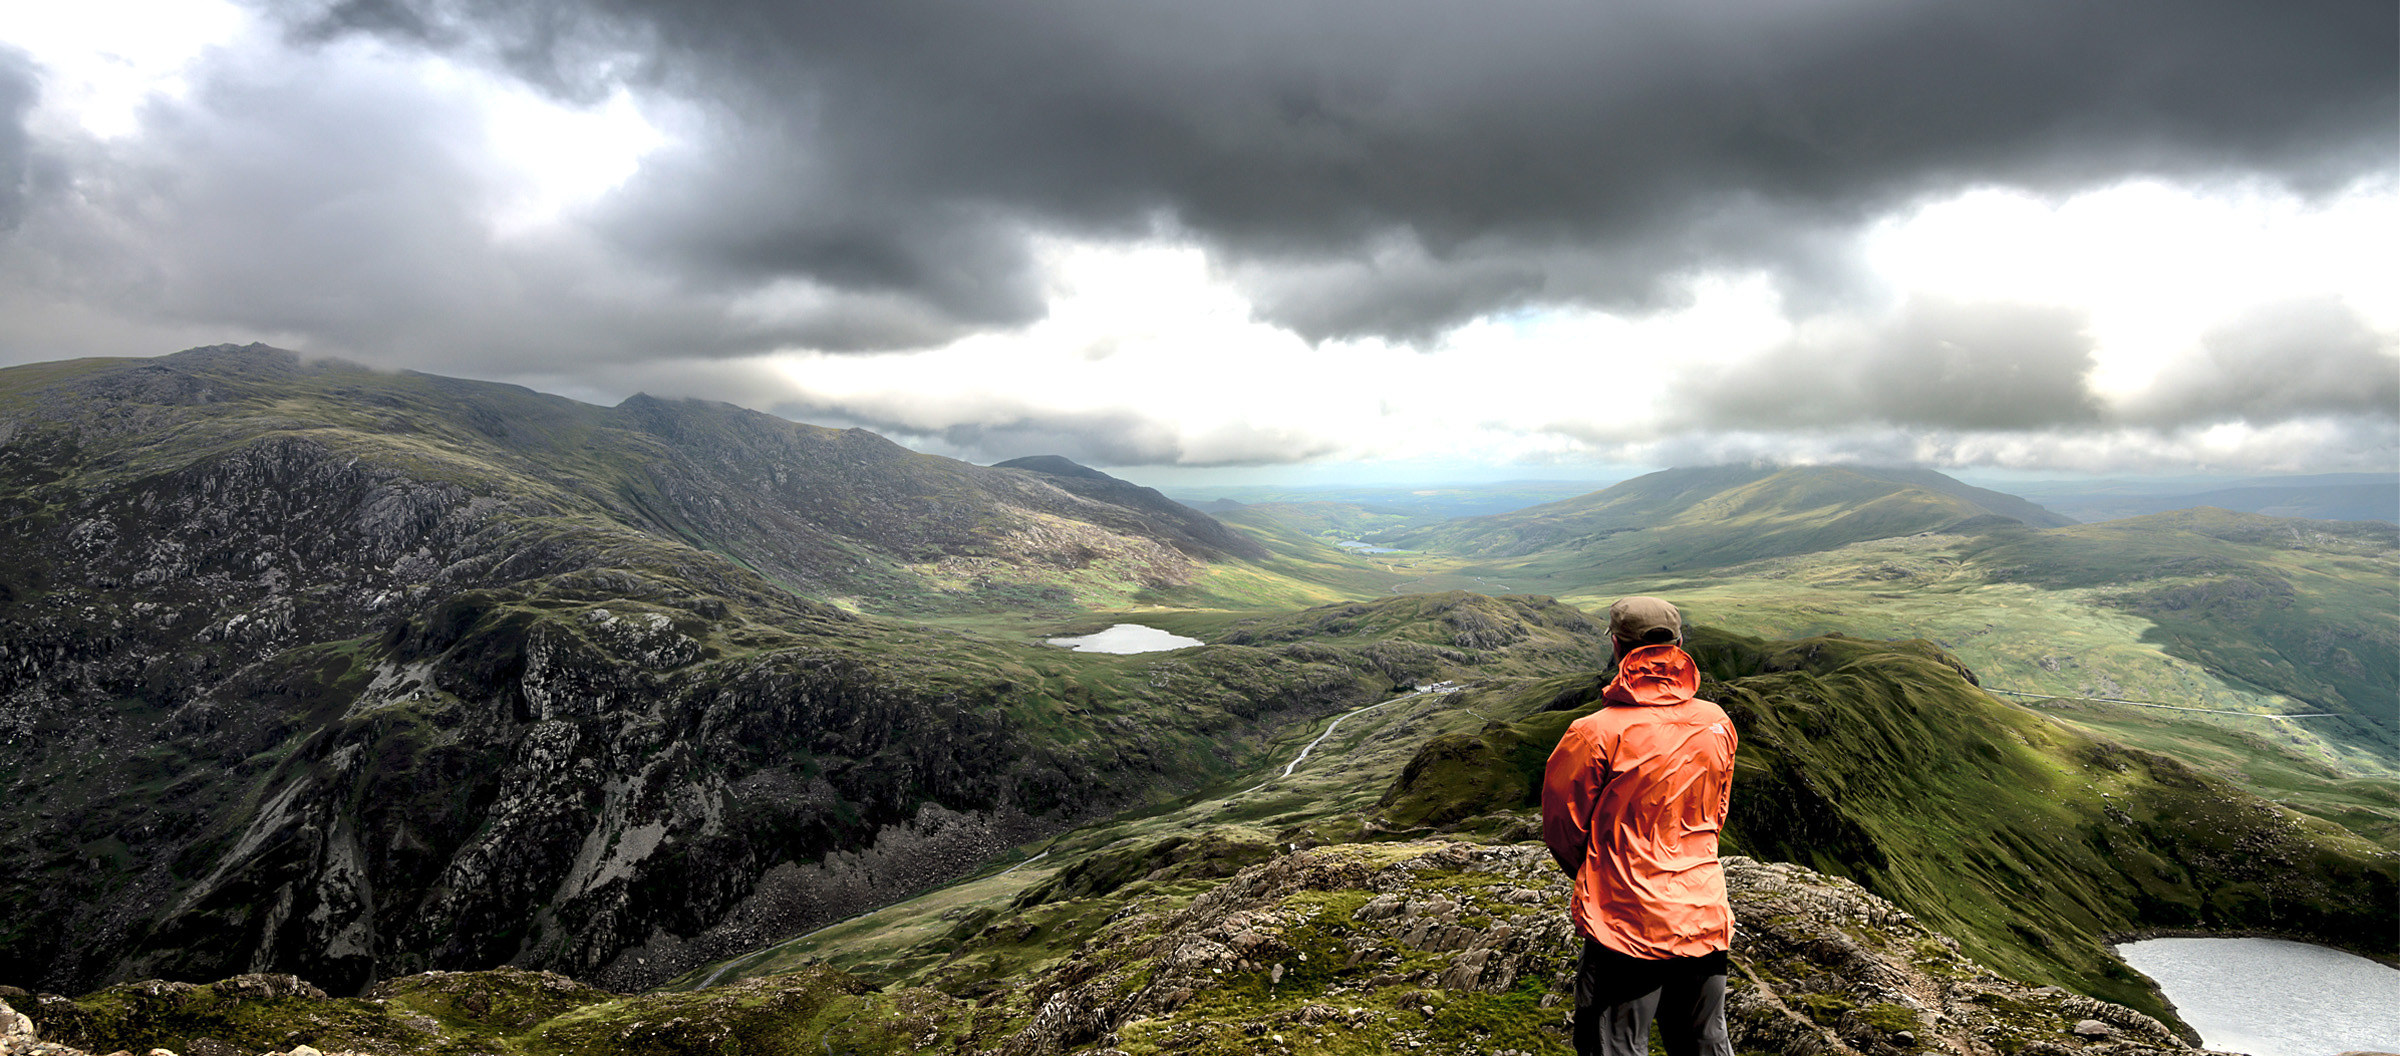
(2368, 807)
(518, 1013)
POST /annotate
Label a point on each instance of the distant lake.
(2273, 997)
(1127, 638)
(1356, 547)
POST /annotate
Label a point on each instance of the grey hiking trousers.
(1618, 997)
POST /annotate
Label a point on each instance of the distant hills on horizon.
(2218, 608)
(2313, 496)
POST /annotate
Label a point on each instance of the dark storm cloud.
(2290, 360)
(1399, 289)
(1936, 364)
(345, 207)
(1399, 292)
(18, 91)
(561, 46)
(1533, 150)
(759, 209)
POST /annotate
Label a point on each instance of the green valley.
(673, 727)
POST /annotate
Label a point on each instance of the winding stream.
(1311, 746)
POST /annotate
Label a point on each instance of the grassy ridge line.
(2029, 841)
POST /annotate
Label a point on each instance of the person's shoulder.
(1601, 727)
(1707, 711)
(1589, 725)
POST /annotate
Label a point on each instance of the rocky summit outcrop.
(19, 1036)
(1459, 947)
(1433, 946)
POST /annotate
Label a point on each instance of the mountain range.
(1722, 515)
(310, 668)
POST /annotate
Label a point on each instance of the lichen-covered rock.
(1451, 945)
(1435, 946)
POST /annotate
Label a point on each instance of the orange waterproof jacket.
(1631, 804)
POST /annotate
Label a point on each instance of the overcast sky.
(1364, 237)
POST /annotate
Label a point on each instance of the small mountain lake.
(1127, 638)
(2274, 997)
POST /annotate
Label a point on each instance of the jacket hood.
(1654, 675)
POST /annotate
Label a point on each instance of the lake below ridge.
(1127, 638)
(2274, 997)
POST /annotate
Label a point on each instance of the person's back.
(1632, 801)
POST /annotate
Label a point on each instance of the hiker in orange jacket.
(1632, 801)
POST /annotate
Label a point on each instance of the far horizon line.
(1308, 476)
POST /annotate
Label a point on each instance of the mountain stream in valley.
(1329, 728)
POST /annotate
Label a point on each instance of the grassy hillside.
(2030, 842)
(2308, 609)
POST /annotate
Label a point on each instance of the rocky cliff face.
(1191, 529)
(305, 668)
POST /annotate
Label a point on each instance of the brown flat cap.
(1645, 620)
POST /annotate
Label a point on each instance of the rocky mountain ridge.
(1438, 946)
(309, 668)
